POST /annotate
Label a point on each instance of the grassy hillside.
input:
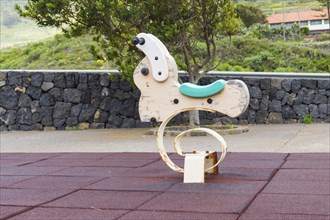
(246, 54)
(261, 55)
(57, 53)
(278, 6)
(19, 31)
(16, 31)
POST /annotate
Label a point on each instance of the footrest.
(194, 168)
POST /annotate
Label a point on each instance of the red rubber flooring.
(251, 186)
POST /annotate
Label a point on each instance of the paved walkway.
(82, 175)
(290, 138)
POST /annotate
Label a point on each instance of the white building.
(316, 21)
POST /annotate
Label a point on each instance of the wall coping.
(211, 73)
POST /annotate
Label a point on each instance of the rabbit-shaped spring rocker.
(163, 97)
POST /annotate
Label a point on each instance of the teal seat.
(196, 91)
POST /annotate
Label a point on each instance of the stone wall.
(284, 100)
(48, 100)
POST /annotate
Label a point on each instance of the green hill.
(16, 31)
(246, 54)
(58, 53)
(278, 6)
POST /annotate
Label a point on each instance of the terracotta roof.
(295, 16)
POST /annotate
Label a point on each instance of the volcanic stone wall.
(283, 100)
(50, 100)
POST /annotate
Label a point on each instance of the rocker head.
(156, 53)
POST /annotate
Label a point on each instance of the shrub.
(304, 31)
(324, 37)
(307, 119)
(264, 61)
(275, 33)
(284, 69)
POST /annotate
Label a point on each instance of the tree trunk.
(193, 115)
(194, 118)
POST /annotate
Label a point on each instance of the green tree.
(326, 3)
(230, 24)
(188, 27)
(250, 15)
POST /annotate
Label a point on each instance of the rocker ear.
(135, 40)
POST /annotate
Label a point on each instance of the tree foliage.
(190, 28)
(230, 25)
(326, 3)
(293, 32)
(250, 15)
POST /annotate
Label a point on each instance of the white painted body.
(161, 100)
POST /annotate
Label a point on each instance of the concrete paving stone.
(306, 164)
(256, 156)
(29, 197)
(6, 181)
(33, 156)
(302, 174)
(119, 163)
(157, 169)
(291, 138)
(174, 156)
(7, 211)
(93, 171)
(179, 162)
(160, 169)
(100, 199)
(257, 216)
(224, 187)
(56, 182)
(83, 155)
(298, 187)
(6, 155)
(29, 171)
(133, 183)
(290, 204)
(61, 162)
(251, 163)
(69, 214)
(242, 173)
(15, 162)
(134, 156)
(190, 202)
(305, 156)
(161, 215)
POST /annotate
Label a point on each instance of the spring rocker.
(163, 97)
